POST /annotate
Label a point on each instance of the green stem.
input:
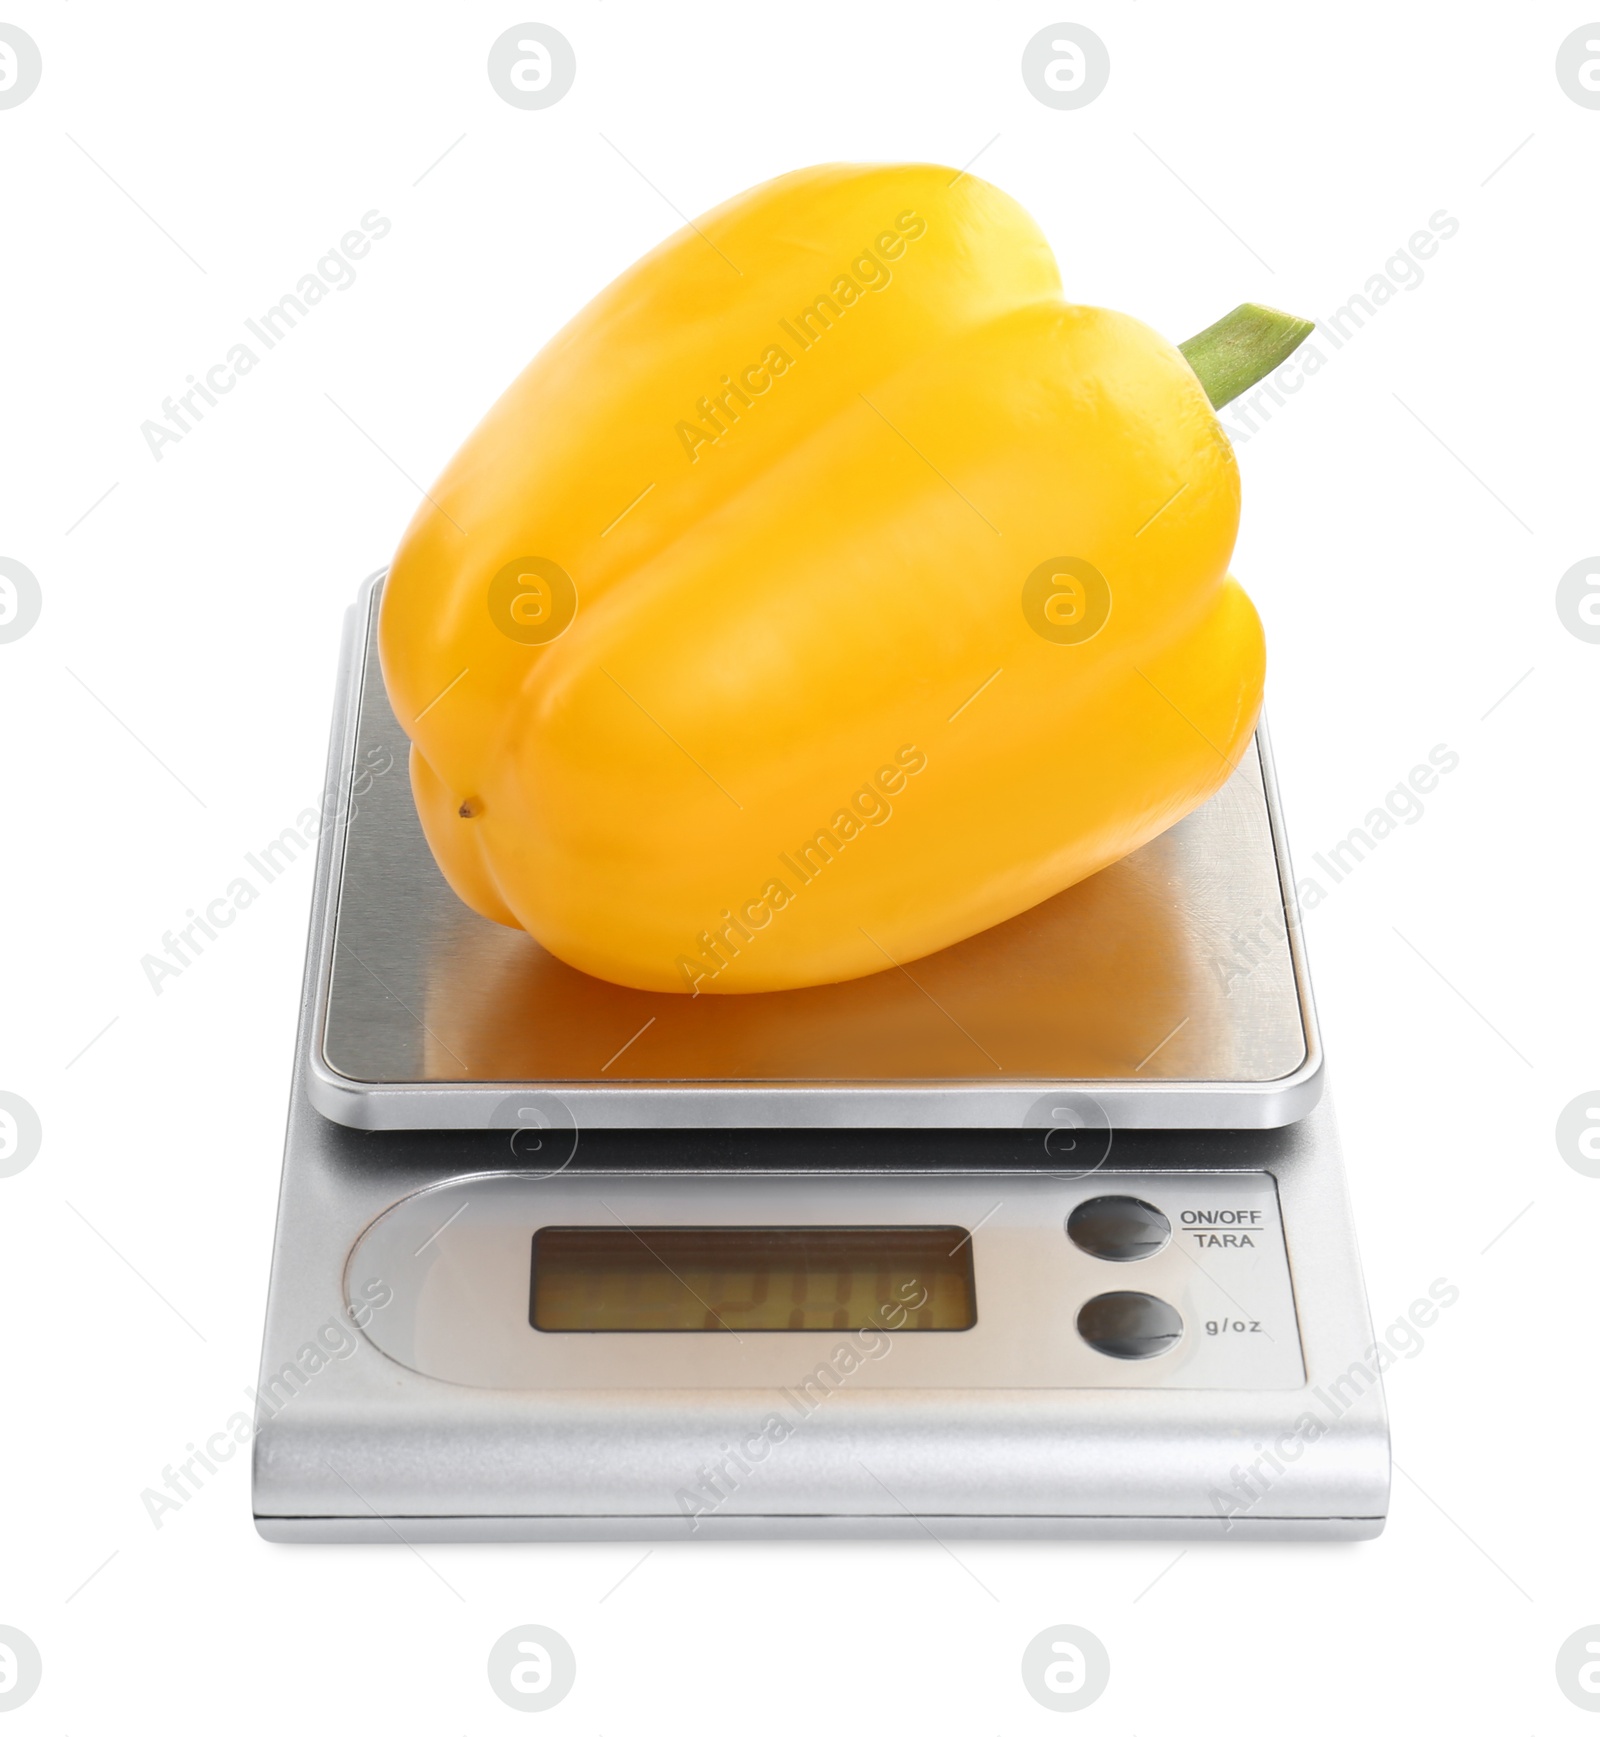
(1242, 348)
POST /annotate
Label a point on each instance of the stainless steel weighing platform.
(1043, 1236)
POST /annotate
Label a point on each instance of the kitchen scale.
(1043, 1236)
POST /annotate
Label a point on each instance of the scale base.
(416, 1429)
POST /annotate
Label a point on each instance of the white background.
(200, 602)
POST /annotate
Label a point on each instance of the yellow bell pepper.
(827, 591)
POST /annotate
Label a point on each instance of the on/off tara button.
(1116, 1227)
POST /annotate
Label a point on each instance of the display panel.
(752, 1279)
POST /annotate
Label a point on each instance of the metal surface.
(355, 1445)
(455, 1262)
(1170, 987)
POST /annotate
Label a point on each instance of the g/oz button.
(1130, 1324)
(1116, 1227)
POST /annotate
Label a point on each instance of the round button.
(1130, 1324)
(1116, 1227)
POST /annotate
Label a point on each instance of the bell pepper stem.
(1242, 348)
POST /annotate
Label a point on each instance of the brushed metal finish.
(353, 1444)
(1170, 986)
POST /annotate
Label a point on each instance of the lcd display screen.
(752, 1279)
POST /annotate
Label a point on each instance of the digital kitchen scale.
(1045, 1235)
